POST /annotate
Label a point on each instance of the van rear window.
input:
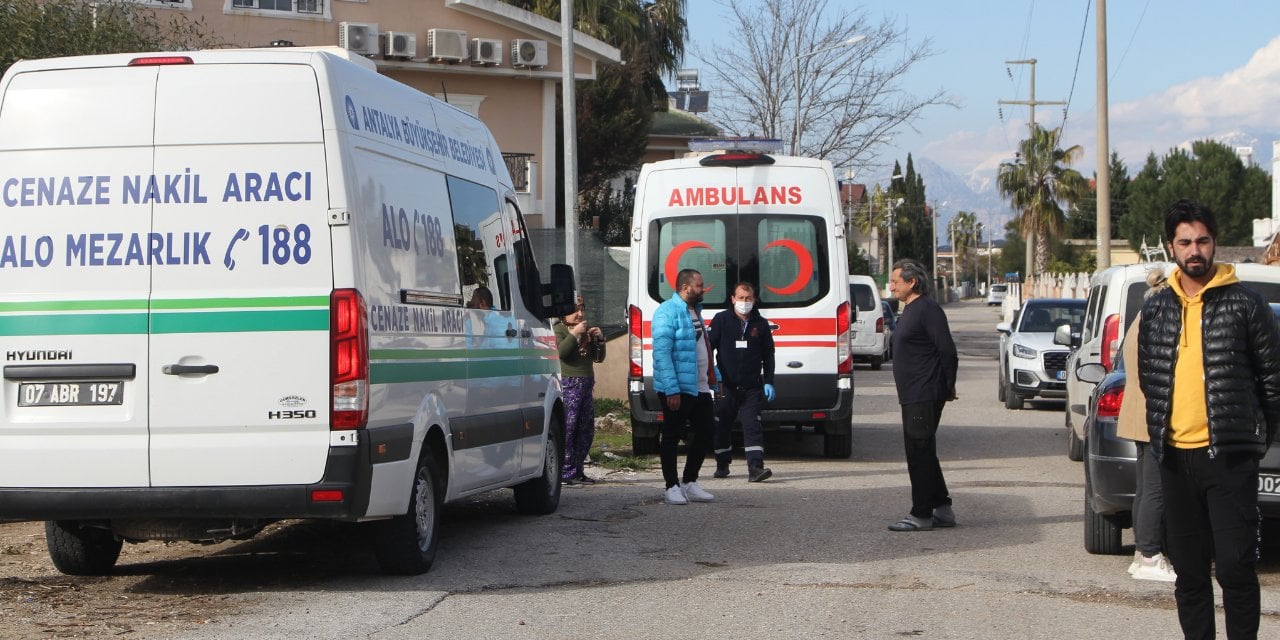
(785, 256)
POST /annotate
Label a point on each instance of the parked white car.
(870, 337)
(1031, 365)
(996, 293)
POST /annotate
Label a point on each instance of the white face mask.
(743, 308)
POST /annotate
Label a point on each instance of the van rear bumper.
(267, 502)
(835, 419)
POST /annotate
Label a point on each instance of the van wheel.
(644, 445)
(1101, 533)
(1075, 446)
(877, 362)
(541, 495)
(406, 544)
(79, 550)
(838, 447)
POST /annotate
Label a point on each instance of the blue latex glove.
(769, 393)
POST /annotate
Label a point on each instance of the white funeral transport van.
(232, 291)
(735, 212)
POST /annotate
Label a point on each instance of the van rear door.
(73, 317)
(240, 294)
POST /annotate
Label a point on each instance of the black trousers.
(742, 405)
(919, 430)
(1211, 517)
(697, 413)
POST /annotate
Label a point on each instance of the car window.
(1096, 295)
(1135, 295)
(862, 296)
(1270, 291)
(1047, 317)
(998, 288)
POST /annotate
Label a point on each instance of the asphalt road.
(804, 555)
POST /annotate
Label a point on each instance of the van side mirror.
(562, 290)
(1091, 372)
(1063, 335)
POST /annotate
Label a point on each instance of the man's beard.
(1196, 267)
(695, 298)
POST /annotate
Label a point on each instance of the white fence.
(1050, 285)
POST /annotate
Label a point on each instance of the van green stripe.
(79, 324)
(175, 303)
(233, 321)
(447, 354)
(240, 303)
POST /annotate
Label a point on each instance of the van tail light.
(844, 339)
(635, 340)
(1109, 403)
(156, 61)
(1110, 340)
(880, 324)
(348, 360)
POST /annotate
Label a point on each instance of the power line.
(1132, 35)
(1076, 74)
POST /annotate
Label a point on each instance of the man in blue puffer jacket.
(683, 378)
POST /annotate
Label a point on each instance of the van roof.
(283, 55)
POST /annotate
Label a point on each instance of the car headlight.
(1025, 352)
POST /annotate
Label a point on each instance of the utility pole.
(1032, 102)
(570, 140)
(1104, 144)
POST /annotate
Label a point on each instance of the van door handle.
(773, 326)
(526, 333)
(795, 364)
(180, 369)
(511, 333)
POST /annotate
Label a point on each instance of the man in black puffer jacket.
(1209, 364)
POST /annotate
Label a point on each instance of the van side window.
(693, 243)
(1091, 319)
(527, 276)
(480, 234)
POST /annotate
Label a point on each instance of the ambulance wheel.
(877, 362)
(644, 445)
(541, 495)
(79, 550)
(406, 544)
(837, 446)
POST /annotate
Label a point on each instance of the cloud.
(1240, 100)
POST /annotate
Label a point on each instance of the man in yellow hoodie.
(1209, 365)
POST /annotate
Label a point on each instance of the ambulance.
(233, 290)
(735, 211)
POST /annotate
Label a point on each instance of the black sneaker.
(584, 479)
(722, 471)
(759, 474)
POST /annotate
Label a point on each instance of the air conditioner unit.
(449, 45)
(486, 52)
(359, 37)
(399, 44)
(528, 53)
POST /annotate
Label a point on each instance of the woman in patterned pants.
(580, 347)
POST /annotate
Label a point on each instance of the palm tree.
(962, 230)
(1040, 184)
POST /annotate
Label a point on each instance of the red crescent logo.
(806, 267)
(670, 267)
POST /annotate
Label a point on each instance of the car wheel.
(644, 445)
(838, 447)
(1002, 389)
(877, 362)
(1011, 398)
(1101, 533)
(541, 495)
(1075, 446)
(406, 544)
(79, 550)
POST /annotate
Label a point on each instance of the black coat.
(1241, 346)
(748, 368)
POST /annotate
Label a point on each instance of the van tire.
(78, 550)
(877, 362)
(644, 445)
(1075, 446)
(406, 544)
(541, 495)
(837, 446)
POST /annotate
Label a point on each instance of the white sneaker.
(1155, 568)
(675, 495)
(1137, 562)
(697, 494)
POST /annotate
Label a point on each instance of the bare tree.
(850, 101)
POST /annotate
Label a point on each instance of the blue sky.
(1179, 70)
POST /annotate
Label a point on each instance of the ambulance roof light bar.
(750, 145)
